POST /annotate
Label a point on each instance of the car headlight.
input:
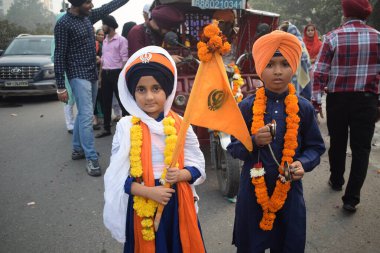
(180, 100)
(48, 74)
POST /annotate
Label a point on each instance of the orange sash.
(191, 239)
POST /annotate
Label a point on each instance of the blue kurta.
(168, 235)
(289, 229)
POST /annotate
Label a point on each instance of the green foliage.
(374, 20)
(326, 14)
(25, 16)
(8, 32)
(32, 15)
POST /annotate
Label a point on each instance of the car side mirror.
(1, 52)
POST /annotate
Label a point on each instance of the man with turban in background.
(270, 209)
(349, 66)
(75, 55)
(163, 18)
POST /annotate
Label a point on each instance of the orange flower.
(271, 205)
(215, 42)
(212, 39)
(201, 44)
(211, 30)
(204, 54)
(226, 48)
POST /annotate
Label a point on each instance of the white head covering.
(116, 200)
(147, 7)
(128, 100)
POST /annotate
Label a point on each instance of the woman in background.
(312, 42)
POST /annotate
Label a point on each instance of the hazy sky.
(132, 11)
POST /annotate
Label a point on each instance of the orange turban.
(265, 47)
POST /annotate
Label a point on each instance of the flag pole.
(179, 144)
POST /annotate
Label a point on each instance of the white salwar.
(116, 200)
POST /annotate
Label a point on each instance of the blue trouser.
(83, 136)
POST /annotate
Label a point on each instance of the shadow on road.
(8, 102)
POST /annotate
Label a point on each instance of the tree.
(8, 32)
(31, 14)
(374, 20)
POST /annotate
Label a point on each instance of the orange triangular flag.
(212, 105)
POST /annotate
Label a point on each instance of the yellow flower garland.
(146, 208)
(271, 205)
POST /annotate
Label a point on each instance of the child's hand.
(297, 170)
(161, 194)
(263, 136)
(175, 175)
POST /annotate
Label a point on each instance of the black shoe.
(349, 208)
(103, 134)
(70, 131)
(93, 168)
(77, 155)
(335, 187)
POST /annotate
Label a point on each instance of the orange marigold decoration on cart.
(212, 40)
(271, 205)
(237, 82)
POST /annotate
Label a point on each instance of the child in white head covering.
(141, 153)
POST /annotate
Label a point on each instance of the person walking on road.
(98, 112)
(68, 107)
(114, 56)
(349, 66)
(75, 55)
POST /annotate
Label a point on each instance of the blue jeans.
(83, 135)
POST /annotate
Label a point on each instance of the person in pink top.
(114, 56)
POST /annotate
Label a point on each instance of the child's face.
(310, 31)
(277, 74)
(150, 96)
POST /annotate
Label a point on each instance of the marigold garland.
(146, 208)
(271, 205)
(237, 82)
(212, 40)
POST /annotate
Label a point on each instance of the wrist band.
(60, 92)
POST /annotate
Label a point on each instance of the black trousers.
(109, 86)
(350, 114)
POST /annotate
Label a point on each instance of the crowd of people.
(99, 69)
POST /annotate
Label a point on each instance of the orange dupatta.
(191, 239)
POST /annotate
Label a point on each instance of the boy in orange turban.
(270, 209)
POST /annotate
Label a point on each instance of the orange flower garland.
(237, 82)
(271, 205)
(212, 40)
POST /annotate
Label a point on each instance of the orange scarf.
(191, 239)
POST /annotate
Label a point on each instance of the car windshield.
(29, 46)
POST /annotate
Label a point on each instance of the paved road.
(49, 204)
